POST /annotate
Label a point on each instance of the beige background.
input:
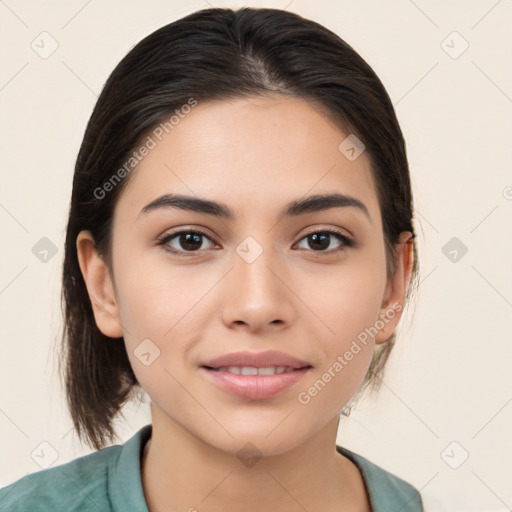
(449, 377)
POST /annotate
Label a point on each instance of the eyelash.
(166, 238)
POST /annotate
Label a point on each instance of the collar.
(385, 490)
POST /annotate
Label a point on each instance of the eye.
(191, 241)
(181, 242)
(321, 240)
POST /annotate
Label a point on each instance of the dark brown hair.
(212, 54)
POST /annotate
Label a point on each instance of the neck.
(182, 472)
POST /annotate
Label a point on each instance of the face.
(190, 286)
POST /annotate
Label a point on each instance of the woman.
(240, 246)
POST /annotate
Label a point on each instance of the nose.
(258, 295)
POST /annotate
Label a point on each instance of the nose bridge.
(256, 293)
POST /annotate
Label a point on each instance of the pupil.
(190, 241)
(322, 238)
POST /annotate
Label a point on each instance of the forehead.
(251, 153)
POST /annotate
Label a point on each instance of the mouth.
(253, 370)
(255, 383)
(255, 375)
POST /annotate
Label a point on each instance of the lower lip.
(255, 387)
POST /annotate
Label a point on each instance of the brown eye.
(190, 241)
(320, 241)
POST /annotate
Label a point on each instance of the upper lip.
(270, 358)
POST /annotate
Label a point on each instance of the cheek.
(167, 306)
(159, 317)
(348, 298)
(348, 305)
(348, 309)
(155, 299)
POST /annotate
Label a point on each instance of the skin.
(255, 155)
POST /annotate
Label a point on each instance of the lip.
(255, 387)
(257, 360)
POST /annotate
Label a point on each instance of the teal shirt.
(109, 480)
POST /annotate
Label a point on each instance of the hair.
(211, 54)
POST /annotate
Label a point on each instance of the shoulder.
(78, 485)
(386, 490)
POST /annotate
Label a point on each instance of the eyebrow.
(315, 203)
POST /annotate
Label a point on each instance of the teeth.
(251, 370)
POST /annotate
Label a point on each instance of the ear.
(99, 286)
(396, 288)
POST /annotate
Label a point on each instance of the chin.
(251, 447)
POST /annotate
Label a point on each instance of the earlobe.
(396, 290)
(99, 286)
